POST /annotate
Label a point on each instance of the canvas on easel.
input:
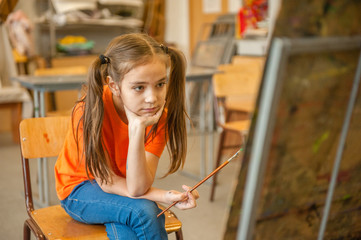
(296, 139)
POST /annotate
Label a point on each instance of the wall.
(198, 18)
(184, 23)
(177, 24)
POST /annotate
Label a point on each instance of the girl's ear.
(113, 86)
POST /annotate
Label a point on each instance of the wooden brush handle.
(195, 186)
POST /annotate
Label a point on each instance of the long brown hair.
(123, 54)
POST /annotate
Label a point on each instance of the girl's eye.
(161, 84)
(138, 88)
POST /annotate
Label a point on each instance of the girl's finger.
(183, 197)
(186, 188)
(195, 194)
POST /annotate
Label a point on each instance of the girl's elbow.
(105, 188)
(135, 192)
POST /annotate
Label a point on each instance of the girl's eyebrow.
(136, 82)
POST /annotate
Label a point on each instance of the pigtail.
(176, 105)
(95, 155)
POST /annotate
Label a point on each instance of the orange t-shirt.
(70, 166)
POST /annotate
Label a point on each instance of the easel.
(270, 143)
(300, 162)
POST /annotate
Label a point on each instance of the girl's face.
(143, 89)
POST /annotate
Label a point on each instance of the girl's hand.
(134, 118)
(187, 200)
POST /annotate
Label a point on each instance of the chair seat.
(57, 224)
(172, 224)
(238, 126)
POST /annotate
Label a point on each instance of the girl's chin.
(148, 114)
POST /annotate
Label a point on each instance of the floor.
(207, 221)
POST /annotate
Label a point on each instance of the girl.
(105, 172)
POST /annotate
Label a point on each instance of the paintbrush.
(204, 179)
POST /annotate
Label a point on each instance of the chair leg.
(218, 162)
(26, 231)
(179, 234)
(34, 228)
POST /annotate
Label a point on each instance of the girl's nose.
(151, 97)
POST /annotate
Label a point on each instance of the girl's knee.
(147, 209)
(145, 222)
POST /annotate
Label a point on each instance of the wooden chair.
(233, 92)
(44, 138)
(245, 65)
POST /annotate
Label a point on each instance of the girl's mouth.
(150, 110)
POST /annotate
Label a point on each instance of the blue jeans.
(123, 217)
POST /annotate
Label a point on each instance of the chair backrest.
(43, 137)
(234, 92)
(246, 68)
(243, 64)
(236, 84)
(40, 138)
(238, 59)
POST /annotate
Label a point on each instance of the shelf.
(133, 3)
(125, 22)
(67, 22)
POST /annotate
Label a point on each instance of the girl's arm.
(141, 165)
(119, 187)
